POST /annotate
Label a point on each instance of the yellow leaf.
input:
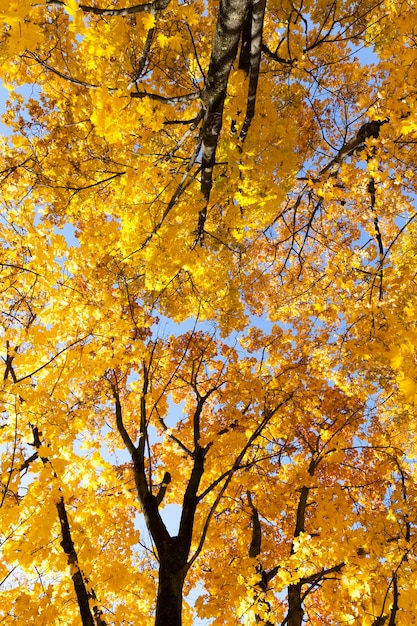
(148, 21)
(162, 40)
(71, 6)
(407, 386)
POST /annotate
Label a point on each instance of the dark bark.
(173, 552)
(172, 572)
(237, 19)
(256, 542)
(301, 510)
(149, 7)
(367, 131)
(394, 608)
(295, 600)
(382, 619)
(245, 46)
(257, 20)
(295, 607)
(229, 27)
(264, 577)
(83, 595)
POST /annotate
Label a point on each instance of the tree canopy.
(208, 300)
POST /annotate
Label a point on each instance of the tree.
(208, 300)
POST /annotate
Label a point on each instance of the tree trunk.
(295, 606)
(172, 572)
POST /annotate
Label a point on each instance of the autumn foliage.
(208, 311)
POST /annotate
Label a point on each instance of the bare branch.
(162, 490)
(366, 131)
(147, 7)
(119, 420)
(188, 97)
(41, 367)
(49, 68)
(229, 475)
(255, 544)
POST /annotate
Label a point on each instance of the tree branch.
(258, 13)
(49, 68)
(366, 131)
(275, 57)
(229, 26)
(130, 446)
(395, 607)
(149, 503)
(295, 611)
(229, 475)
(147, 7)
(41, 367)
(162, 489)
(255, 544)
(83, 596)
(188, 97)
